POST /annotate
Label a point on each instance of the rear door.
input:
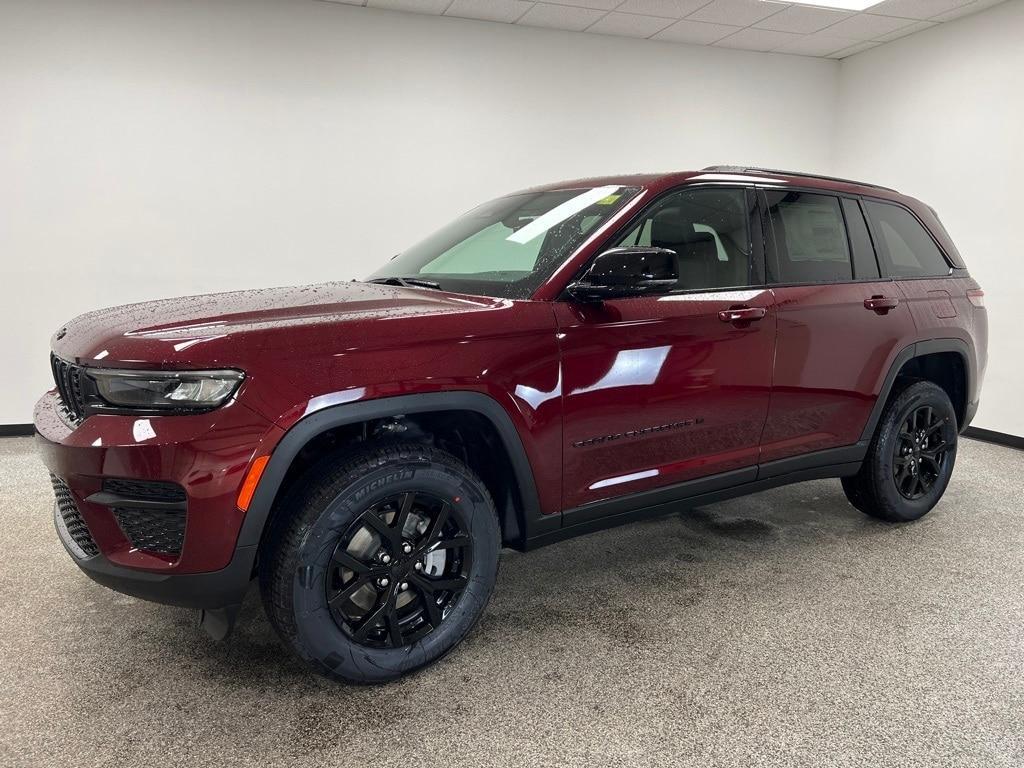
(840, 325)
(660, 390)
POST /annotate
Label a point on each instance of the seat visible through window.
(708, 229)
(696, 252)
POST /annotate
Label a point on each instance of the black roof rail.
(747, 169)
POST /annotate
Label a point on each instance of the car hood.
(177, 329)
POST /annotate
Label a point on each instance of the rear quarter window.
(908, 249)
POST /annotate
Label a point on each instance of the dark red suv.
(553, 362)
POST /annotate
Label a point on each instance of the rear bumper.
(971, 410)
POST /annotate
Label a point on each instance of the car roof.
(654, 184)
(726, 173)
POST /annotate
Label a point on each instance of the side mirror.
(624, 272)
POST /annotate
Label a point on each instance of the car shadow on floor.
(682, 554)
(678, 559)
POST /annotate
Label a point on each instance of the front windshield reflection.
(508, 247)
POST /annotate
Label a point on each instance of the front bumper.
(210, 590)
(207, 455)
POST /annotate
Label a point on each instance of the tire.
(344, 515)
(904, 474)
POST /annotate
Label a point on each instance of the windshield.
(509, 246)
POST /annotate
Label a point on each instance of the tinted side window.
(810, 238)
(709, 230)
(909, 249)
(865, 266)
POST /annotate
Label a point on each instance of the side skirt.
(835, 462)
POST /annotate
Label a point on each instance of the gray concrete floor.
(781, 629)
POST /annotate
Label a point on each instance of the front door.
(661, 390)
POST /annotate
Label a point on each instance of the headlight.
(163, 390)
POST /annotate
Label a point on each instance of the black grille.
(153, 530)
(73, 522)
(147, 490)
(68, 378)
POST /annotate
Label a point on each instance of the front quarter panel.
(506, 350)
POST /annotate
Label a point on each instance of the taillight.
(976, 296)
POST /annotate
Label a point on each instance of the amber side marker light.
(976, 297)
(252, 479)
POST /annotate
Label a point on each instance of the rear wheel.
(381, 563)
(911, 456)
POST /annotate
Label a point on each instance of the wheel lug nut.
(407, 547)
(385, 558)
(403, 586)
(418, 566)
(383, 582)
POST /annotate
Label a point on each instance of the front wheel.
(911, 456)
(382, 562)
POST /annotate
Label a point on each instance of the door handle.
(741, 314)
(881, 304)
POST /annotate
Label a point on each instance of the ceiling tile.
(695, 32)
(779, 26)
(956, 13)
(752, 39)
(489, 10)
(629, 25)
(802, 19)
(738, 13)
(915, 9)
(600, 5)
(413, 6)
(865, 26)
(917, 26)
(852, 50)
(560, 17)
(965, 10)
(819, 44)
(672, 9)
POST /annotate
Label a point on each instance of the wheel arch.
(914, 361)
(307, 429)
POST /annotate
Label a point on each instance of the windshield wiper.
(406, 282)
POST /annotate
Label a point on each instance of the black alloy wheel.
(911, 456)
(398, 570)
(920, 452)
(381, 558)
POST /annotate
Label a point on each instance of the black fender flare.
(334, 416)
(920, 349)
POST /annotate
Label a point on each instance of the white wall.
(159, 148)
(940, 115)
(153, 148)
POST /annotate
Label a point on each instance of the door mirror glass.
(624, 272)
